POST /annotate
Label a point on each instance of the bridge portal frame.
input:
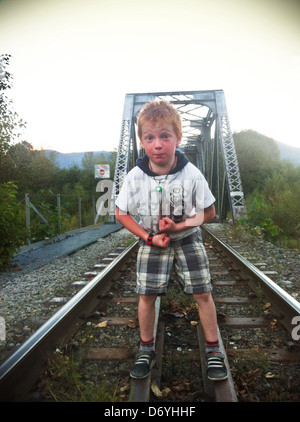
(207, 140)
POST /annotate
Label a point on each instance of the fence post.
(93, 209)
(79, 211)
(27, 215)
(58, 212)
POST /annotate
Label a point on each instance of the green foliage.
(274, 213)
(282, 195)
(46, 205)
(31, 169)
(271, 188)
(12, 223)
(259, 222)
(66, 383)
(11, 126)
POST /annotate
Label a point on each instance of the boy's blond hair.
(159, 111)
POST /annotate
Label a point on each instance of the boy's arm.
(209, 214)
(169, 226)
(161, 240)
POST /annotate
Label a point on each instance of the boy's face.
(160, 141)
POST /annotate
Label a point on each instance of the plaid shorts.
(186, 256)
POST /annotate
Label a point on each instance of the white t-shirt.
(178, 196)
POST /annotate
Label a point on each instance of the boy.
(172, 199)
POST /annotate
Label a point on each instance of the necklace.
(159, 188)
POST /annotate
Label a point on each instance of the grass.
(66, 384)
(176, 300)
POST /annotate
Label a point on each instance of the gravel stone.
(281, 265)
(24, 295)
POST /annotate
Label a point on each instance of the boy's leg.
(192, 267)
(153, 272)
(208, 317)
(145, 358)
(146, 316)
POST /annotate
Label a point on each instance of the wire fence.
(49, 215)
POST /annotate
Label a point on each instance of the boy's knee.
(148, 299)
(202, 297)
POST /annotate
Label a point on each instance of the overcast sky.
(73, 62)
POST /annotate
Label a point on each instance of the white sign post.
(102, 171)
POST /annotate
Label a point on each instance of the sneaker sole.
(139, 378)
(218, 379)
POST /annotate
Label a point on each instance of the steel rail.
(282, 302)
(140, 389)
(21, 370)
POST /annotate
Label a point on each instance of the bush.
(276, 219)
(259, 222)
(12, 223)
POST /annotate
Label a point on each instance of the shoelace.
(143, 359)
(215, 362)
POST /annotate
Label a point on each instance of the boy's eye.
(150, 138)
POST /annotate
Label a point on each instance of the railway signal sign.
(102, 171)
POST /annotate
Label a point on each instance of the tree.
(18, 160)
(30, 169)
(11, 126)
(271, 187)
(282, 195)
(12, 228)
(43, 171)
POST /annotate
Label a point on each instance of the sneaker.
(143, 364)
(216, 369)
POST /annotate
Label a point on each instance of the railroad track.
(256, 319)
(98, 327)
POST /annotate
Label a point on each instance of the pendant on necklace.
(158, 188)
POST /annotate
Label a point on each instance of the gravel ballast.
(24, 296)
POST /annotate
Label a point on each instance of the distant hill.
(67, 160)
(288, 152)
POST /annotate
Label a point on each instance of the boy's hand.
(167, 225)
(161, 240)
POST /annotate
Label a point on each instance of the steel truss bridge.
(206, 140)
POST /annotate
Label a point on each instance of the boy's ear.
(179, 140)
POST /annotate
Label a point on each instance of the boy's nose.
(157, 143)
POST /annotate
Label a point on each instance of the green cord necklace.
(159, 188)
